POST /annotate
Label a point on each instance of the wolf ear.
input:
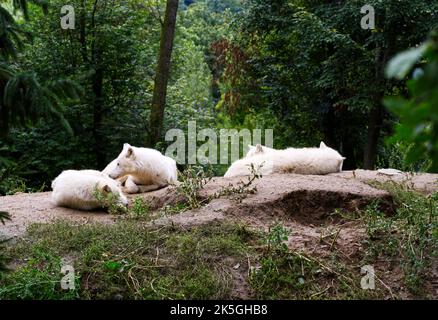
(322, 145)
(106, 189)
(129, 152)
(126, 145)
(343, 158)
(259, 147)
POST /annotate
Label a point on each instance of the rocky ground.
(303, 204)
(296, 198)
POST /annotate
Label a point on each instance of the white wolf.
(322, 160)
(76, 189)
(142, 169)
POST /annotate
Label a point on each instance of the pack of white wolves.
(138, 170)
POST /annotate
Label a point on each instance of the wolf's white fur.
(254, 150)
(322, 160)
(75, 189)
(142, 169)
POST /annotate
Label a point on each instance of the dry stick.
(341, 275)
(134, 282)
(153, 289)
(322, 238)
(249, 265)
(156, 259)
(335, 238)
(386, 286)
(322, 265)
(156, 266)
(319, 293)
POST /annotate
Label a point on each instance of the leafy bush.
(418, 121)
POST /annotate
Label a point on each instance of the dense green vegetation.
(418, 121)
(71, 98)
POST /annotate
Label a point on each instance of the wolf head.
(110, 187)
(333, 154)
(257, 150)
(125, 162)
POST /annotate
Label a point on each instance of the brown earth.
(303, 199)
(304, 204)
(297, 199)
(423, 182)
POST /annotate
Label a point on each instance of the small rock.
(389, 172)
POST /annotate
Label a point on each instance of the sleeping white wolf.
(322, 160)
(75, 189)
(142, 169)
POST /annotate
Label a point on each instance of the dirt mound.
(310, 207)
(307, 200)
(28, 208)
(301, 198)
(423, 182)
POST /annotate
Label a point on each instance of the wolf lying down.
(135, 170)
(76, 189)
(318, 161)
(142, 170)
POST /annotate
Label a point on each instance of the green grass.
(283, 273)
(126, 260)
(132, 259)
(38, 278)
(409, 238)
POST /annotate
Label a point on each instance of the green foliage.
(418, 121)
(191, 182)
(276, 237)
(38, 279)
(9, 182)
(24, 98)
(320, 74)
(280, 272)
(109, 201)
(13, 35)
(409, 237)
(392, 155)
(4, 216)
(139, 209)
(129, 261)
(194, 179)
(242, 188)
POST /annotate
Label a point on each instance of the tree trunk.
(162, 73)
(97, 85)
(82, 34)
(375, 124)
(97, 117)
(376, 114)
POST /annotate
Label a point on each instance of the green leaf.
(394, 104)
(399, 66)
(113, 265)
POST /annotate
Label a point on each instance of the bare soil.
(304, 200)
(305, 204)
